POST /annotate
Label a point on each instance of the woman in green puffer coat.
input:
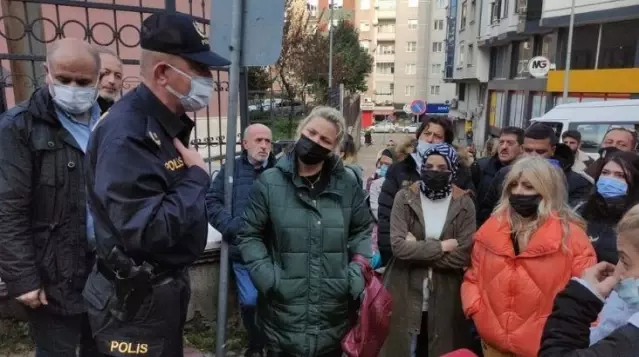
(306, 218)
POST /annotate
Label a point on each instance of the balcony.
(386, 14)
(386, 36)
(387, 57)
(384, 77)
(383, 98)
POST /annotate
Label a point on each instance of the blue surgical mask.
(610, 187)
(422, 146)
(381, 171)
(628, 291)
(73, 100)
(199, 95)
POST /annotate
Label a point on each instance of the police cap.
(178, 34)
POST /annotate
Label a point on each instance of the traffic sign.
(418, 107)
(539, 66)
(407, 109)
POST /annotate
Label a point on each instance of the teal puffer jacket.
(298, 252)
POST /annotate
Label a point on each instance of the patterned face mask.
(436, 185)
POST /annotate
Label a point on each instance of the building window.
(434, 90)
(364, 4)
(504, 13)
(437, 47)
(495, 11)
(364, 26)
(461, 54)
(441, 3)
(383, 88)
(385, 68)
(365, 44)
(471, 55)
(411, 46)
(498, 62)
(436, 68)
(386, 4)
(409, 91)
(412, 24)
(413, 3)
(411, 68)
(473, 10)
(462, 22)
(524, 54)
(438, 24)
(386, 49)
(387, 27)
(461, 92)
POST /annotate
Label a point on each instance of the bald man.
(255, 158)
(46, 232)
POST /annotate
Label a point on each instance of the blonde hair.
(548, 181)
(629, 224)
(405, 148)
(491, 147)
(332, 115)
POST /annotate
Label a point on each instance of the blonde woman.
(305, 219)
(524, 254)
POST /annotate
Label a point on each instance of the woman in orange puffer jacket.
(523, 256)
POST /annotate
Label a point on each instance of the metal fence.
(28, 26)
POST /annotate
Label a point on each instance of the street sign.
(407, 109)
(539, 66)
(261, 35)
(418, 107)
(437, 108)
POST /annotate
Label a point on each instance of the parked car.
(411, 128)
(383, 127)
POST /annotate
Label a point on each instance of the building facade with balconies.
(467, 66)
(407, 40)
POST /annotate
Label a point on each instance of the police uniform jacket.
(142, 195)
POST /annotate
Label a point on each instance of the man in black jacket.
(46, 231)
(433, 130)
(541, 140)
(484, 170)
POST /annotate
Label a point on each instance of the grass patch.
(198, 333)
(201, 334)
(14, 337)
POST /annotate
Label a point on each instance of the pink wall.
(72, 22)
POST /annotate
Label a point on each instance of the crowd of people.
(531, 250)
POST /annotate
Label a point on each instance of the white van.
(592, 120)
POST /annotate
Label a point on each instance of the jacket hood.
(40, 104)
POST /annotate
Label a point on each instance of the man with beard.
(540, 140)
(616, 139)
(572, 138)
(110, 79)
(484, 170)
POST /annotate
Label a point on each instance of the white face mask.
(199, 95)
(74, 100)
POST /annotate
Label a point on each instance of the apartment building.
(406, 39)
(467, 66)
(342, 9)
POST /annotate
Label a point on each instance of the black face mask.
(435, 180)
(310, 152)
(525, 205)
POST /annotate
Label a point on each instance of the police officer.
(146, 190)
